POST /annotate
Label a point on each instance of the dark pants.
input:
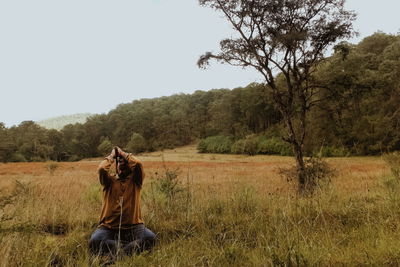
(109, 241)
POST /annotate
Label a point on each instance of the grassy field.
(221, 210)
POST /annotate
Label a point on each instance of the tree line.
(356, 113)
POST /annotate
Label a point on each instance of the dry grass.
(233, 210)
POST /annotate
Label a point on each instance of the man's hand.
(117, 152)
(121, 153)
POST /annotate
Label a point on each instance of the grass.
(225, 210)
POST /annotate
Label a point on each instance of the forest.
(358, 113)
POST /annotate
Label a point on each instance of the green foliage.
(215, 144)
(273, 146)
(251, 145)
(168, 183)
(6, 144)
(333, 151)
(239, 147)
(136, 144)
(359, 112)
(17, 157)
(167, 194)
(245, 146)
(105, 146)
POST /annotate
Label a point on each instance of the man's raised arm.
(103, 169)
(137, 167)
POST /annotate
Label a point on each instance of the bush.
(333, 151)
(317, 173)
(136, 144)
(215, 144)
(168, 184)
(18, 157)
(74, 158)
(238, 147)
(250, 145)
(166, 194)
(273, 146)
(202, 146)
(246, 146)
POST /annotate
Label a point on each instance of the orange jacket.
(121, 198)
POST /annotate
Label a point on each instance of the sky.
(60, 57)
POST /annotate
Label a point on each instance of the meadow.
(207, 210)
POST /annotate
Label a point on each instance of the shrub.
(18, 157)
(250, 145)
(215, 144)
(36, 159)
(238, 147)
(202, 146)
(74, 158)
(273, 146)
(246, 146)
(168, 183)
(317, 173)
(167, 195)
(333, 151)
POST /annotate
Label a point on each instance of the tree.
(56, 141)
(136, 144)
(284, 40)
(364, 96)
(105, 146)
(31, 141)
(6, 144)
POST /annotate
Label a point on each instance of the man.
(121, 227)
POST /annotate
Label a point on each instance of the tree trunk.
(298, 154)
(297, 146)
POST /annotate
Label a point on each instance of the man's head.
(122, 167)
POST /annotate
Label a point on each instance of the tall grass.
(393, 160)
(48, 222)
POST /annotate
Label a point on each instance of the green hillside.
(59, 122)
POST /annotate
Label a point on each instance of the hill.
(59, 122)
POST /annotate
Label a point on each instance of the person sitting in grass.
(121, 227)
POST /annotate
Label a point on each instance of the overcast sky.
(60, 57)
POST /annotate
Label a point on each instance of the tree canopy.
(284, 41)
